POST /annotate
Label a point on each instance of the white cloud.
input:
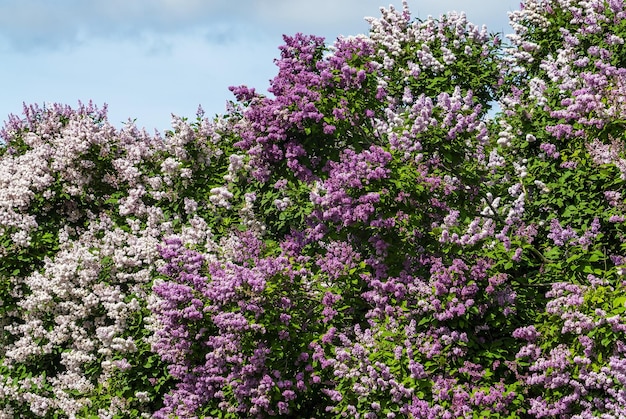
(41, 24)
(327, 15)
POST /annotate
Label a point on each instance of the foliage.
(370, 240)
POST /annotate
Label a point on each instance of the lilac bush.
(418, 234)
(369, 240)
(567, 126)
(85, 207)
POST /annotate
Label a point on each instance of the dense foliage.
(370, 240)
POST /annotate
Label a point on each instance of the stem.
(539, 254)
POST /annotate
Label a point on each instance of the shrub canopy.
(375, 238)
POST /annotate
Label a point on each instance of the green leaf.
(619, 302)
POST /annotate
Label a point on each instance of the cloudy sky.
(148, 59)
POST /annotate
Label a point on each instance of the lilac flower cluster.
(587, 370)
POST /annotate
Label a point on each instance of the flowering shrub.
(367, 241)
(84, 208)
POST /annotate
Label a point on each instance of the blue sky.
(148, 59)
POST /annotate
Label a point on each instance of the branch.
(539, 254)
